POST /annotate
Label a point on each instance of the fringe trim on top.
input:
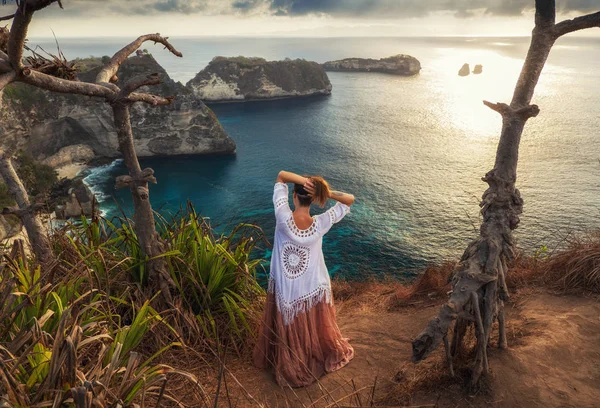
(289, 310)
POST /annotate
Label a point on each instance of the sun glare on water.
(464, 108)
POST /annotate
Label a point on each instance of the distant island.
(228, 79)
(465, 70)
(397, 65)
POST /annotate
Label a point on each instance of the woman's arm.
(342, 197)
(289, 177)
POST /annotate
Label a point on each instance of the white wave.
(97, 176)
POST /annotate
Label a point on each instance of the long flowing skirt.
(303, 351)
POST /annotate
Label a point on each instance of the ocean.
(411, 149)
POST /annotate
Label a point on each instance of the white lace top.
(299, 277)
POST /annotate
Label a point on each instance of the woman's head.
(320, 196)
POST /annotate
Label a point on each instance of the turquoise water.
(412, 150)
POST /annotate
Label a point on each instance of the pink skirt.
(303, 351)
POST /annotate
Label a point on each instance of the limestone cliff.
(46, 123)
(243, 79)
(397, 65)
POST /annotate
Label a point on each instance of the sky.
(302, 18)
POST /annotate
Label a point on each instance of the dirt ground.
(553, 360)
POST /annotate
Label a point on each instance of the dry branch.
(576, 24)
(138, 82)
(111, 68)
(35, 229)
(153, 100)
(60, 85)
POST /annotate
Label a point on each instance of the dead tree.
(13, 69)
(479, 283)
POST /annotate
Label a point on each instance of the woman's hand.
(309, 187)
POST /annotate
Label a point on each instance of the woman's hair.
(321, 192)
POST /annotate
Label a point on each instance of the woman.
(299, 337)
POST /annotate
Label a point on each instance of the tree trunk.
(479, 285)
(12, 69)
(143, 216)
(38, 236)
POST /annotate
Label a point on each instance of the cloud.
(180, 6)
(373, 9)
(417, 8)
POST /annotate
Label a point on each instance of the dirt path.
(553, 361)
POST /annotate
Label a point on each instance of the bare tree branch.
(545, 13)
(126, 95)
(153, 100)
(54, 84)
(111, 68)
(499, 107)
(138, 82)
(7, 17)
(576, 24)
(18, 30)
(36, 231)
(18, 33)
(503, 109)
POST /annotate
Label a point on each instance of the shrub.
(38, 178)
(5, 198)
(214, 277)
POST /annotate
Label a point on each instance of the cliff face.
(397, 65)
(46, 123)
(240, 79)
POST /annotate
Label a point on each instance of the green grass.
(243, 62)
(213, 277)
(63, 337)
(93, 324)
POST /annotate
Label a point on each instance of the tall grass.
(62, 344)
(215, 276)
(214, 287)
(86, 333)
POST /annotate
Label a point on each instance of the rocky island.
(398, 65)
(245, 79)
(465, 70)
(62, 129)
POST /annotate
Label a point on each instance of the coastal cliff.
(243, 79)
(60, 128)
(398, 65)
